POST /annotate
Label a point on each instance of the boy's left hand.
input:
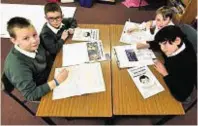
(71, 31)
(160, 68)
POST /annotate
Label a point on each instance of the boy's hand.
(160, 68)
(64, 34)
(149, 24)
(62, 75)
(142, 45)
(71, 31)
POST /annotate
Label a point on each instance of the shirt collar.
(55, 30)
(178, 51)
(29, 54)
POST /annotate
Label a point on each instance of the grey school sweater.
(28, 75)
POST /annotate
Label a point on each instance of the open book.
(82, 34)
(129, 56)
(82, 79)
(78, 53)
(145, 81)
(137, 33)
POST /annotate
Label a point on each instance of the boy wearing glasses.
(56, 29)
(180, 62)
(27, 66)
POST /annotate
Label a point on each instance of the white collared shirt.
(55, 30)
(178, 51)
(29, 54)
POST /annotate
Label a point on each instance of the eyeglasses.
(53, 19)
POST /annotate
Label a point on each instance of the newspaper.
(145, 81)
(81, 34)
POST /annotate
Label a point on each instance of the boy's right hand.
(64, 34)
(149, 24)
(142, 45)
(62, 75)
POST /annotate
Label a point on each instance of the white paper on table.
(82, 79)
(145, 81)
(74, 54)
(129, 56)
(35, 13)
(139, 35)
(79, 53)
(82, 34)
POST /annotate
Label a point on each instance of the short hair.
(143, 77)
(52, 7)
(165, 11)
(17, 22)
(169, 33)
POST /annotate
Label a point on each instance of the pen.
(129, 20)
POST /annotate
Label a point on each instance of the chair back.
(191, 34)
(6, 84)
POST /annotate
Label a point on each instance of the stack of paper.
(79, 53)
(81, 34)
(134, 32)
(129, 56)
(145, 81)
(82, 79)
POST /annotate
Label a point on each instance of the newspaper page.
(129, 56)
(133, 33)
(84, 52)
(82, 79)
(145, 81)
(81, 34)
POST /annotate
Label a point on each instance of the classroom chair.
(8, 88)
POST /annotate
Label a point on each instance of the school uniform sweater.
(182, 72)
(51, 41)
(28, 75)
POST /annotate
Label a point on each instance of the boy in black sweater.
(27, 66)
(180, 67)
(56, 30)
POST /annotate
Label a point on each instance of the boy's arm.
(52, 45)
(70, 22)
(23, 81)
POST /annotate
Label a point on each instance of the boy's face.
(54, 18)
(168, 48)
(160, 21)
(26, 38)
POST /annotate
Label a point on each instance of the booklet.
(134, 33)
(145, 81)
(82, 79)
(129, 56)
(82, 34)
(79, 53)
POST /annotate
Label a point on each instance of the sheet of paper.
(75, 54)
(82, 79)
(81, 34)
(79, 53)
(35, 13)
(138, 34)
(129, 56)
(145, 81)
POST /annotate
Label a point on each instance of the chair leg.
(164, 120)
(48, 120)
(191, 106)
(18, 101)
(140, 3)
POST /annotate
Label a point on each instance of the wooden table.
(90, 105)
(123, 99)
(127, 100)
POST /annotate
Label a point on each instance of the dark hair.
(165, 11)
(52, 7)
(143, 77)
(169, 33)
(17, 22)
